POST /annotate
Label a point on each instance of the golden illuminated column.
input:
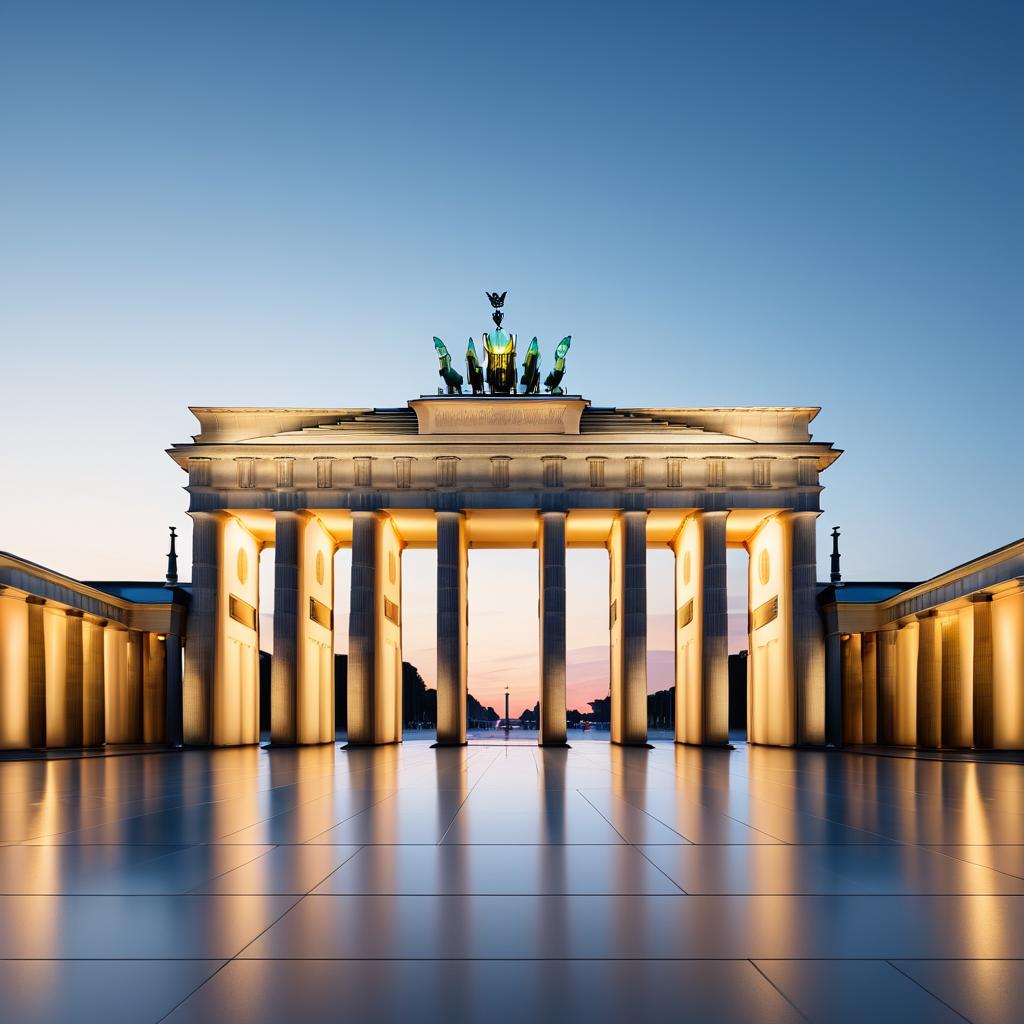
(551, 559)
(887, 675)
(869, 681)
(221, 687)
(93, 684)
(929, 680)
(772, 693)
(36, 672)
(853, 689)
(73, 678)
(14, 679)
(154, 688)
(702, 631)
(452, 627)
(627, 548)
(981, 614)
(133, 693)
(1008, 669)
(808, 641)
(375, 633)
(55, 671)
(173, 656)
(115, 677)
(302, 675)
(956, 710)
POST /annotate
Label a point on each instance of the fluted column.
(363, 629)
(452, 628)
(929, 681)
(133, 692)
(628, 617)
(887, 676)
(284, 666)
(954, 711)
(808, 641)
(73, 667)
(94, 712)
(36, 673)
(201, 649)
(551, 558)
(172, 655)
(853, 690)
(982, 658)
(869, 678)
(154, 688)
(14, 705)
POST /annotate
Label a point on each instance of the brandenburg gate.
(530, 471)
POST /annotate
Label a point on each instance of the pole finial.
(837, 576)
(171, 579)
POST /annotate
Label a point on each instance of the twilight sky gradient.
(730, 203)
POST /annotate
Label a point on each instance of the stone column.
(982, 695)
(834, 688)
(154, 688)
(714, 633)
(172, 657)
(452, 628)
(94, 712)
(853, 690)
(73, 678)
(201, 649)
(929, 681)
(551, 558)
(36, 673)
(284, 666)
(363, 628)
(887, 676)
(14, 706)
(628, 618)
(954, 730)
(869, 677)
(808, 646)
(302, 674)
(133, 694)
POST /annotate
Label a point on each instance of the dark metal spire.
(837, 576)
(171, 580)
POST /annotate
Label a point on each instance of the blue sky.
(732, 203)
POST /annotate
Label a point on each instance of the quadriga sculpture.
(452, 378)
(553, 381)
(531, 369)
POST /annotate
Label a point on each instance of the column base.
(555, 746)
(640, 746)
(364, 746)
(440, 743)
(705, 746)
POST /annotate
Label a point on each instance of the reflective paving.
(501, 883)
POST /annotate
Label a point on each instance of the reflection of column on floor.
(551, 558)
(452, 627)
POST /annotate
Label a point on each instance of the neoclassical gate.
(521, 471)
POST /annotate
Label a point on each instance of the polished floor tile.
(508, 882)
(497, 870)
(855, 992)
(983, 991)
(468, 992)
(95, 991)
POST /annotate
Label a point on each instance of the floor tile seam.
(309, 892)
(728, 817)
(643, 811)
(323, 832)
(924, 988)
(465, 800)
(800, 1013)
(972, 863)
(607, 819)
(192, 992)
(197, 889)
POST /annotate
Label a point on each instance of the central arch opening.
(504, 643)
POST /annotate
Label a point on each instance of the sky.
(724, 204)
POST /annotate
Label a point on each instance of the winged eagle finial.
(497, 301)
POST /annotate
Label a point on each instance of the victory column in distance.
(500, 370)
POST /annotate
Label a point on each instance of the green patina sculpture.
(452, 378)
(531, 369)
(553, 380)
(499, 369)
(474, 370)
(501, 362)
